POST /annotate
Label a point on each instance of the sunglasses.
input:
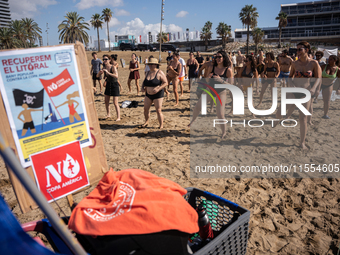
(318, 55)
(300, 49)
(105, 59)
(218, 57)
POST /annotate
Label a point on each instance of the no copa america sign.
(238, 100)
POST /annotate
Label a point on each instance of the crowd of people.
(260, 72)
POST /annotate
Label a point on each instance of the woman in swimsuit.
(193, 66)
(271, 71)
(260, 67)
(304, 68)
(330, 72)
(248, 74)
(70, 103)
(111, 86)
(220, 72)
(134, 73)
(153, 86)
(174, 69)
(114, 62)
(248, 71)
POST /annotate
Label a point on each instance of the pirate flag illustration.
(28, 100)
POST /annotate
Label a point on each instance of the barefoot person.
(95, 68)
(203, 69)
(153, 86)
(239, 61)
(285, 64)
(199, 59)
(112, 86)
(193, 66)
(174, 70)
(318, 57)
(270, 72)
(260, 67)
(220, 72)
(330, 72)
(114, 62)
(301, 75)
(182, 74)
(134, 73)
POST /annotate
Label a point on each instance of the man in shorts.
(95, 68)
(285, 63)
(183, 73)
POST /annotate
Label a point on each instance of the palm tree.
(7, 39)
(32, 29)
(257, 37)
(107, 15)
(224, 31)
(164, 37)
(97, 22)
(206, 33)
(73, 29)
(282, 17)
(248, 16)
(19, 32)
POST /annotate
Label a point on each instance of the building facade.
(5, 14)
(317, 21)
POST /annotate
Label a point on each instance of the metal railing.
(313, 10)
(312, 23)
(309, 34)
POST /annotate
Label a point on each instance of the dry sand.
(288, 216)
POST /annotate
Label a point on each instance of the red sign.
(57, 85)
(60, 171)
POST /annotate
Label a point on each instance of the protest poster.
(94, 155)
(60, 171)
(43, 99)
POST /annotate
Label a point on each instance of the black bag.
(134, 104)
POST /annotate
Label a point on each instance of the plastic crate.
(228, 220)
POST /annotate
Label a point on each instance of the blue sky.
(140, 16)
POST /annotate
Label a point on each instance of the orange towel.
(133, 201)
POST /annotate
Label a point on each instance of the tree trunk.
(247, 39)
(108, 35)
(256, 48)
(98, 40)
(206, 44)
(280, 37)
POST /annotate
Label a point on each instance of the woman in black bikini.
(271, 71)
(330, 72)
(248, 74)
(304, 68)
(111, 86)
(174, 69)
(260, 67)
(248, 71)
(220, 72)
(193, 66)
(153, 86)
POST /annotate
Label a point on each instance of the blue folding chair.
(14, 240)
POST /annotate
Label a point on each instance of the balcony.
(312, 23)
(309, 34)
(313, 10)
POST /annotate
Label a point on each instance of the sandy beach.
(288, 215)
